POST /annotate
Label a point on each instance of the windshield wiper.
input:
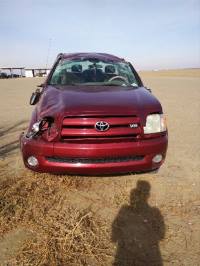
(117, 84)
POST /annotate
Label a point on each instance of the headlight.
(34, 130)
(155, 123)
(36, 127)
(44, 128)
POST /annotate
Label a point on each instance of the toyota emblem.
(102, 126)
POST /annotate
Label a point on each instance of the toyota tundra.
(94, 116)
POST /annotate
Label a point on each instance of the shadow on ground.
(12, 145)
(137, 230)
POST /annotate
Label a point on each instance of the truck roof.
(100, 56)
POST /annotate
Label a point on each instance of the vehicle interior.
(93, 72)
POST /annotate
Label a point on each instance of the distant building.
(36, 72)
(16, 72)
(11, 72)
(28, 73)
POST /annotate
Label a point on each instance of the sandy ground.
(174, 192)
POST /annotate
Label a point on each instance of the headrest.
(76, 68)
(91, 67)
(110, 69)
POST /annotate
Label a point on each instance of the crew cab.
(94, 116)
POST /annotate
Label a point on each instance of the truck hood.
(96, 100)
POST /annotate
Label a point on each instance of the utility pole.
(48, 52)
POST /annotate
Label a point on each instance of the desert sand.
(71, 220)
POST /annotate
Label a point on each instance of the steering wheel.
(118, 77)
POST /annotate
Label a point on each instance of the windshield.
(93, 72)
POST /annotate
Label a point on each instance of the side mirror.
(35, 97)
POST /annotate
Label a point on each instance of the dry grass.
(61, 234)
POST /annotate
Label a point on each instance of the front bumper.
(95, 159)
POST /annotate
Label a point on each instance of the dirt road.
(67, 220)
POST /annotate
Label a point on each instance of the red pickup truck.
(94, 116)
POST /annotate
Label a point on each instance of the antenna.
(48, 52)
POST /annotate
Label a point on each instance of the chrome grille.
(84, 128)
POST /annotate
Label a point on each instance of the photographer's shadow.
(137, 230)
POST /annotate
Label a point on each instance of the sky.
(152, 34)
